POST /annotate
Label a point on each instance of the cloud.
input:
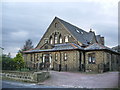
(19, 34)
(11, 50)
(25, 20)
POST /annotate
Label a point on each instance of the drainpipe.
(84, 61)
(110, 63)
(80, 61)
(60, 61)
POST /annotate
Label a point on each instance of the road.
(70, 80)
(83, 80)
(16, 84)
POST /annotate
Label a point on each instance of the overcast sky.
(24, 20)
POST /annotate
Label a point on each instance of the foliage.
(7, 63)
(19, 61)
(27, 46)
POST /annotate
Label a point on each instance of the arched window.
(60, 38)
(66, 38)
(51, 40)
(56, 40)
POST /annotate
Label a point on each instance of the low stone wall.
(25, 76)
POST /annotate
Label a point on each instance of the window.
(91, 58)
(56, 39)
(56, 24)
(37, 57)
(60, 39)
(56, 56)
(31, 57)
(46, 41)
(66, 38)
(51, 40)
(46, 47)
(65, 56)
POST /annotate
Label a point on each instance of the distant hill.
(117, 48)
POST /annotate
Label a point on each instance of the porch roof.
(58, 47)
(97, 46)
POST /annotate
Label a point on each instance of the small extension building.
(68, 48)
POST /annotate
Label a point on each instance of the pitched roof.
(68, 46)
(97, 46)
(81, 35)
(58, 47)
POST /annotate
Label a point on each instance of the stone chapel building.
(69, 48)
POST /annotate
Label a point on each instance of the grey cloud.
(34, 19)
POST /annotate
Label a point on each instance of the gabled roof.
(81, 35)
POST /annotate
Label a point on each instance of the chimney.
(90, 30)
(102, 40)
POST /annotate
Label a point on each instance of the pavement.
(82, 80)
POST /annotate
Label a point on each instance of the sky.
(23, 20)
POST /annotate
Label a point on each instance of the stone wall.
(105, 61)
(99, 59)
(52, 30)
(25, 76)
(70, 64)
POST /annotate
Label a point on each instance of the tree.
(27, 46)
(19, 62)
(7, 63)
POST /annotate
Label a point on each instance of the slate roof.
(58, 47)
(81, 35)
(97, 46)
(72, 46)
(98, 38)
(68, 46)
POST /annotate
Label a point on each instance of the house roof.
(72, 46)
(81, 35)
(98, 38)
(67, 46)
(97, 46)
(58, 47)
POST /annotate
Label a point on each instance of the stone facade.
(68, 48)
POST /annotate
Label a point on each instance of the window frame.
(51, 40)
(56, 39)
(61, 40)
(91, 58)
(56, 56)
(31, 57)
(65, 57)
(66, 39)
(37, 57)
